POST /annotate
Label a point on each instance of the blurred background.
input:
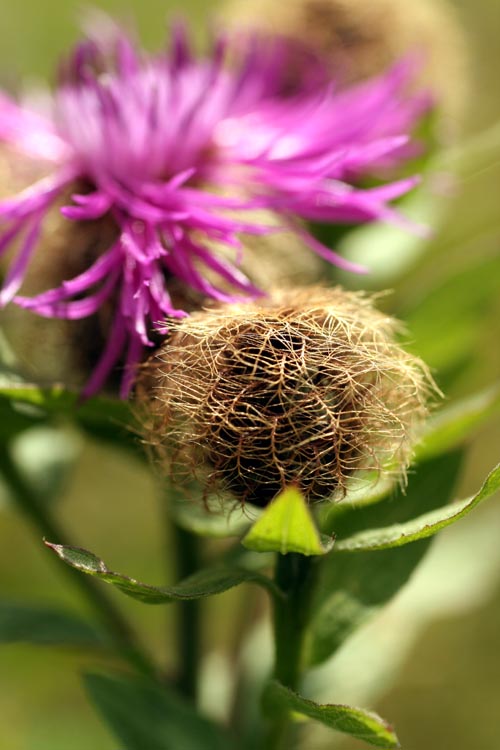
(441, 636)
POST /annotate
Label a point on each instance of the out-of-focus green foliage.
(144, 715)
(30, 623)
(354, 587)
(23, 405)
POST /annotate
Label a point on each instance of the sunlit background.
(442, 634)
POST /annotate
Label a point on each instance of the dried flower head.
(306, 387)
(362, 38)
(181, 154)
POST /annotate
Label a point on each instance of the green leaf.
(352, 588)
(287, 525)
(14, 420)
(363, 725)
(447, 320)
(451, 426)
(106, 419)
(424, 526)
(146, 717)
(207, 582)
(30, 623)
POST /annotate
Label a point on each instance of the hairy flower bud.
(305, 387)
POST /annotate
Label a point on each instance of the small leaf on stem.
(423, 526)
(286, 526)
(364, 725)
(207, 582)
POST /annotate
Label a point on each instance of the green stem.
(188, 641)
(42, 521)
(295, 575)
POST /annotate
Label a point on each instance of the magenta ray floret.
(181, 152)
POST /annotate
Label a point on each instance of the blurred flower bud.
(362, 38)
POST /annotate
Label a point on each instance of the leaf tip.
(57, 548)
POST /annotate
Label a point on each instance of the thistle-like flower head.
(183, 154)
(306, 387)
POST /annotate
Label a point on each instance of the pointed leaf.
(363, 725)
(30, 623)
(146, 717)
(287, 525)
(206, 582)
(423, 526)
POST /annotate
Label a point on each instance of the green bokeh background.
(447, 696)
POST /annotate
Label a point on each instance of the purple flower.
(181, 152)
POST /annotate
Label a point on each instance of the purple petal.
(133, 357)
(38, 196)
(88, 206)
(116, 340)
(59, 308)
(9, 235)
(329, 255)
(15, 276)
(81, 283)
(30, 132)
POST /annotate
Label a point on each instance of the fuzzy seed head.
(307, 387)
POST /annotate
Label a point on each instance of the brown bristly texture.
(305, 387)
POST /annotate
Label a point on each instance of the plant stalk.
(43, 523)
(296, 576)
(188, 625)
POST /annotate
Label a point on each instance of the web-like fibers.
(306, 388)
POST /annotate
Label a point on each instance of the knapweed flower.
(306, 387)
(183, 154)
